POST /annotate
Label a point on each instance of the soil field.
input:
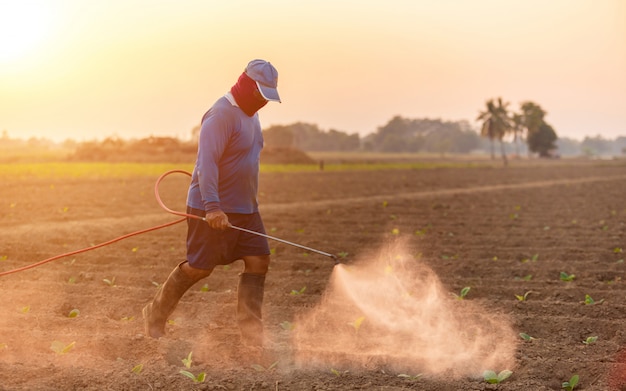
(553, 234)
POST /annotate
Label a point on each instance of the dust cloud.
(392, 313)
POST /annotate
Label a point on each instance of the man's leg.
(250, 299)
(179, 281)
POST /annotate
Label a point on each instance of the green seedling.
(567, 277)
(492, 378)
(300, 230)
(135, 249)
(300, 292)
(524, 296)
(395, 231)
(590, 301)
(527, 277)
(618, 250)
(342, 254)
(226, 267)
(137, 369)
(590, 340)
(463, 293)
(286, 325)
(261, 368)
(73, 313)
(196, 379)
(71, 280)
(571, 384)
(385, 204)
(526, 337)
(205, 288)
(110, 282)
(61, 348)
(534, 258)
(410, 377)
(156, 284)
(338, 372)
(187, 361)
(25, 309)
(357, 323)
(128, 318)
(4, 257)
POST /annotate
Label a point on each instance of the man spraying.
(223, 190)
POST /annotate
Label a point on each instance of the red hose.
(158, 197)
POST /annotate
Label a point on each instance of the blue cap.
(266, 78)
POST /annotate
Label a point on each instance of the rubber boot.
(156, 313)
(249, 302)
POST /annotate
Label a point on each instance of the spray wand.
(158, 197)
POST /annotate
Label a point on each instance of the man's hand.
(217, 220)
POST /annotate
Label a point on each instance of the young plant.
(590, 340)
(300, 292)
(567, 277)
(526, 337)
(196, 379)
(286, 325)
(137, 369)
(61, 348)
(590, 301)
(337, 372)
(534, 258)
(187, 361)
(357, 323)
(410, 377)
(73, 313)
(492, 378)
(110, 282)
(524, 296)
(571, 384)
(463, 293)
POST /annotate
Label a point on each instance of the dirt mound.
(285, 155)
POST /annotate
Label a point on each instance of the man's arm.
(212, 144)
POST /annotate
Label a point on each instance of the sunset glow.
(89, 70)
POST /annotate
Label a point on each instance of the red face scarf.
(247, 95)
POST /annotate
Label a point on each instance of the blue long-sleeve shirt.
(226, 174)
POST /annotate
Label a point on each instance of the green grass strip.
(97, 170)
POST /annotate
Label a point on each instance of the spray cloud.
(393, 313)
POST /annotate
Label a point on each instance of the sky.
(135, 68)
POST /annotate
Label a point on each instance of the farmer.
(223, 190)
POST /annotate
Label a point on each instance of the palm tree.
(496, 124)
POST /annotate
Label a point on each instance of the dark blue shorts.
(208, 247)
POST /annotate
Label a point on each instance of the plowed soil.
(502, 231)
